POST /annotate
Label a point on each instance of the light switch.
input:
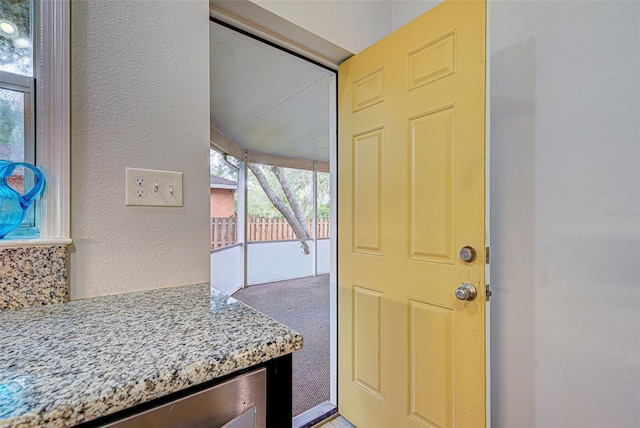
(148, 187)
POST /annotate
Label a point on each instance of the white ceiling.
(267, 100)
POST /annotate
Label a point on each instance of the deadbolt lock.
(468, 254)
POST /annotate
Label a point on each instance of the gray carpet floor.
(303, 305)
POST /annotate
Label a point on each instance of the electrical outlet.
(150, 187)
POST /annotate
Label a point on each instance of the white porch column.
(241, 226)
(314, 221)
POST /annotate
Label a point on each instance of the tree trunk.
(299, 229)
(291, 197)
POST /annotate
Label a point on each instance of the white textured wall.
(405, 11)
(140, 98)
(565, 203)
(565, 206)
(352, 25)
(565, 209)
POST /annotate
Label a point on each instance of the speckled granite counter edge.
(182, 378)
(231, 349)
(33, 276)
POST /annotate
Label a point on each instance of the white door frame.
(254, 24)
(257, 21)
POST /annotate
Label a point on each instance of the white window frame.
(53, 119)
(25, 86)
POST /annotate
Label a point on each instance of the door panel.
(430, 363)
(367, 340)
(433, 61)
(411, 179)
(367, 90)
(367, 192)
(431, 186)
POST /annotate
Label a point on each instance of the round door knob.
(467, 254)
(466, 291)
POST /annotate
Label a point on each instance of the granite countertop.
(64, 364)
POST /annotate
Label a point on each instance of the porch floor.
(303, 305)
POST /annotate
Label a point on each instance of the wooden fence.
(224, 230)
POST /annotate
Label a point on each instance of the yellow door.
(411, 196)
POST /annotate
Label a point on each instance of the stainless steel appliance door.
(241, 401)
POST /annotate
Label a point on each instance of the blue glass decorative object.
(13, 205)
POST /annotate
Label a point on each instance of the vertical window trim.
(53, 115)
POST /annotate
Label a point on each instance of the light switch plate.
(148, 187)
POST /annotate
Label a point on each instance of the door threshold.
(315, 415)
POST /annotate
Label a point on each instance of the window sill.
(34, 242)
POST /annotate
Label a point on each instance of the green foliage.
(15, 53)
(258, 202)
(324, 194)
(219, 168)
(11, 126)
(302, 183)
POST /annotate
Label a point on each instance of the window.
(34, 107)
(16, 42)
(17, 102)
